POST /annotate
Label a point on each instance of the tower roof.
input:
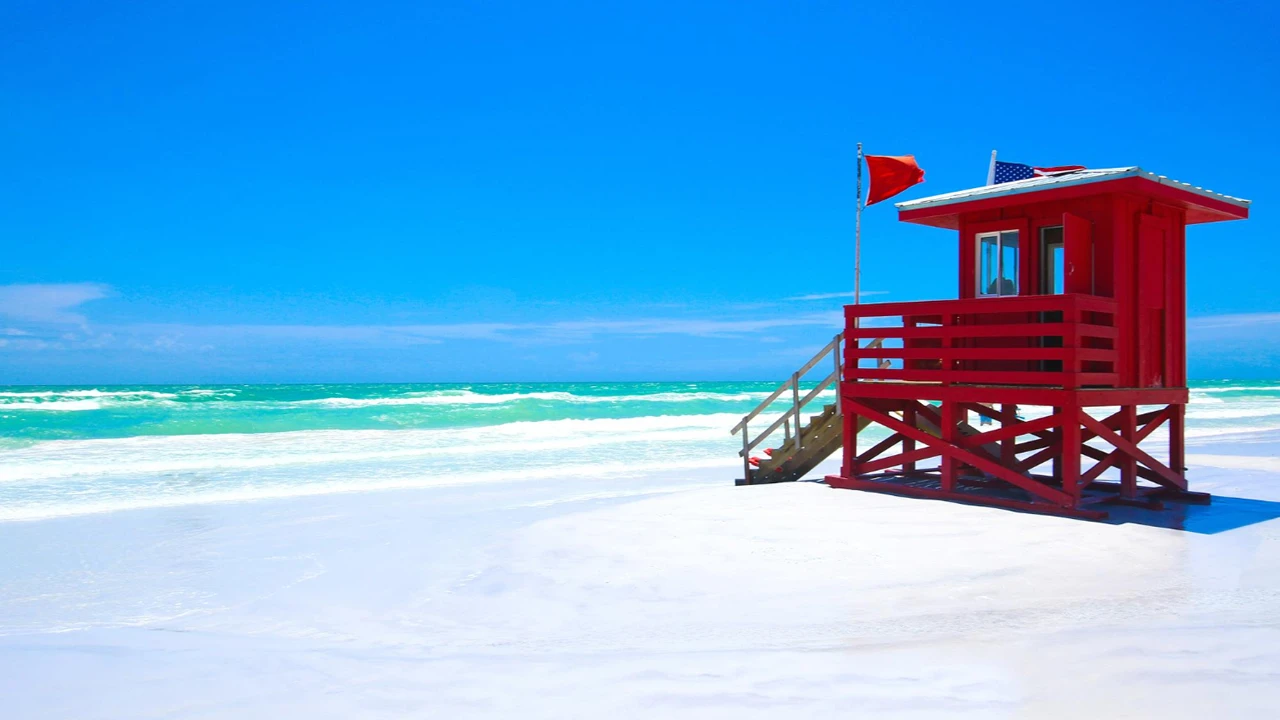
(1202, 205)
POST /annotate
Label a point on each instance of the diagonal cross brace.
(1045, 439)
(990, 467)
(1019, 427)
(1102, 431)
(1115, 455)
(900, 459)
(879, 448)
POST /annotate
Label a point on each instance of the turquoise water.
(60, 413)
(67, 451)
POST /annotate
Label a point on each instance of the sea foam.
(69, 477)
(166, 446)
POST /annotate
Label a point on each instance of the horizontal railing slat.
(976, 324)
(1052, 329)
(1044, 353)
(985, 306)
(984, 377)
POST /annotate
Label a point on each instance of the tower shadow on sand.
(1223, 514)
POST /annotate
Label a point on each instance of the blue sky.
(221, 192)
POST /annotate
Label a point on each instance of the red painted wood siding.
(1104, 252)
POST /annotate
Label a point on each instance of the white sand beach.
(651, 595)
(401, 360)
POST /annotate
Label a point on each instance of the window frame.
(1016, 276)
(1047, 286)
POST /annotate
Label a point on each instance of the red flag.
(890, 175)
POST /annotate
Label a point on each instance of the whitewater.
(69, 451)
(579, 550)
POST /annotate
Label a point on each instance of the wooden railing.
(790, 420)
(1063, 341)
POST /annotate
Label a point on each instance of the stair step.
(821, 436)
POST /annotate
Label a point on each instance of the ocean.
(73, 451)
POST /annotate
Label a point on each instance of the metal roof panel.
(1061, 180)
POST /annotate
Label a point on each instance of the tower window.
(998, 263)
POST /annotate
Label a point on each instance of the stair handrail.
(798, 403)
(787, 384)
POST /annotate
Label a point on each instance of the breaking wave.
(70, 477)
(466, 397)
(66, 451)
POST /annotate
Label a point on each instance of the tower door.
(1077, 268)
(1066, 266)
(1052, 277)
(1153, 237)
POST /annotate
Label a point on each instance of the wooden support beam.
(1011, 431)
(1004, 414)
(849, 432)
(947, 433)
(1045, 439)
(1123, 459)
(1145, 474)
(931, 414)
(899, 459)
(1071, 444)
(1112, 420)
(1007, 457)
(950, 451)
(1105, 433)
(1100, 467)
(1177, 439)
(1128, 464)
(1117, 457)
(1048, 453)
(1055, 442)
(1043, 396)
(876, 450)
(909, 445)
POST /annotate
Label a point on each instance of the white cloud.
(696, 327)
(567, 331)
(45, 317)
(1233, 321)
(47, 303)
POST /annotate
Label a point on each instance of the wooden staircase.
(802, 446)
(818, 440)
(809, 444)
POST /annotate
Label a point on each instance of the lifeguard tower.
(1070, 327)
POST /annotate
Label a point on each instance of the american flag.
(1009, 172)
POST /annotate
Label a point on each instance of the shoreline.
(541, 600)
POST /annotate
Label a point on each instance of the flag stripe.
(1012, 172)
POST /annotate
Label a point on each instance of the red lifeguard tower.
(1070, 326)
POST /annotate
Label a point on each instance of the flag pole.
(991, 169)
(857, 240)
